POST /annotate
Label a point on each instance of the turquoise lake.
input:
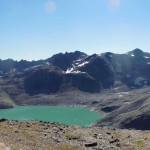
(62, 114)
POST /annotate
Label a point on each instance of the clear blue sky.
(37, 29)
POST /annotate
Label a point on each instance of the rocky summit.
(116, 85)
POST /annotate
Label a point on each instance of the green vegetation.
(138, 144)
(71, 136)
(131, 148)
(66, 147)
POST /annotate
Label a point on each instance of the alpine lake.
(61, 114)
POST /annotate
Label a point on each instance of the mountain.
(64, 61)
(116, 85)
(131, 68)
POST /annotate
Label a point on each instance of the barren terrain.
(34, 135)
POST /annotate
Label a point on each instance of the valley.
(114, 85)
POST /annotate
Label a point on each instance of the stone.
(114, 141)
(3, 119)
(95, 135)
(56, 139)
(3, 147)
(92, 144)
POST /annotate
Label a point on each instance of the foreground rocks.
(27, 135)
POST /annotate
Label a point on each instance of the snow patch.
(47, 63)
(78, 60)
(77, 71)
(146, 57)
(76, 63)
(80, 65)
(120, 95)
(127, 102)
(69, 70)
(33, 67)
(116, 88)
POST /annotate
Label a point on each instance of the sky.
(38, 29)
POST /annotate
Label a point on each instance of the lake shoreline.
(61, 113)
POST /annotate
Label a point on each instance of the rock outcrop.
(5, 100)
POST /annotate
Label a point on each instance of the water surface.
(62, 114)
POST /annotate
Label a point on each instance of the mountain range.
(116, 85)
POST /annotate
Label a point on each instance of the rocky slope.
(27, 135)
(5, 100)
(130, 110)
(116, 85)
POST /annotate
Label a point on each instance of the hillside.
(29, 135)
